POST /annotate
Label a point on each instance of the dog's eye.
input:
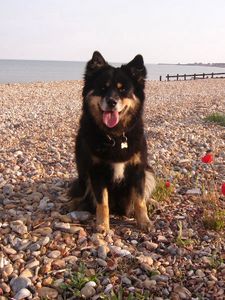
(103, 88)
(120, 86)
(122, 90)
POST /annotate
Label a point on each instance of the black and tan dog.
(111, 152)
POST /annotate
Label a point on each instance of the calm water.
(15, 71)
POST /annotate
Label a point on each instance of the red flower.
(223, 189)
(167, 184)
(207, 159)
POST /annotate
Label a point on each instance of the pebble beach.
(47, 253)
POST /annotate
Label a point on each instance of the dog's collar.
(121, 141)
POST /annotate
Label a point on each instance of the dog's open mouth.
(112, 118)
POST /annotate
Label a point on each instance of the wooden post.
(212, 75)
(168, 77)
(194, 76)
(177, 77)
(184, 76)
(160, 78)
(203, 75)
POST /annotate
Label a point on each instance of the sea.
(22, 71)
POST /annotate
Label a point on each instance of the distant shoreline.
(15, 71)
(217, 65)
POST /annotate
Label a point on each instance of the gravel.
(42, 247)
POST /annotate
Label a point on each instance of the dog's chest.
(118, 170)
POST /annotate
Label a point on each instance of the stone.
(162, 238)
(18, 227)
(47, 292)
(87, 292)
(183, 292)
(119, 251)
(184, 161)
(5, 287)
(200, 273)
(57, 283)
(126, 280)
(35, 196)
(150, 245)
(172, 250)
(146, 262)
(91, 283)
(195, 191)
(58, 264)
(80, 215)
(19, 283)
(71, 259)
(212, 277)
(75, 229)
(134, 242)
(22, 294)
(26, 273)
(162, 278)
(101, 262)
(97, 239)
(32, 264)
(54, 254)
(7, 270)
(43, 241)
(62, 226)
(149, 284)
(34, 247)
(9, 250)
(44, 231)
(206, 259)
(43, 205)
(102, 251)
(7, 190)
(47, 281)
(108, 288)
(46, 268)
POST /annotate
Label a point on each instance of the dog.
(111, 151)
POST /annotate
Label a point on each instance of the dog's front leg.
(102, 212)
(102, 206)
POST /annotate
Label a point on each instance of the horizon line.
(146, 63)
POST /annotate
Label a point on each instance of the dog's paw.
(102, 228)
(145, 225)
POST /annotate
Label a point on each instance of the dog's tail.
(150, 184)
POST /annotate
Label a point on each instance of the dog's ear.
(97, 62)
(136, 68)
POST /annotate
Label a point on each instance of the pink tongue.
(110, 118)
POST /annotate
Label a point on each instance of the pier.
(193, 76)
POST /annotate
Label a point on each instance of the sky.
(163, 31)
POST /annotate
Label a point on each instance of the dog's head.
(114, 96)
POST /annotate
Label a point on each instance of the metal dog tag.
(124, 145)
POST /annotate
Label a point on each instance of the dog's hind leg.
(80, 195)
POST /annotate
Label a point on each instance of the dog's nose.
(111, 102)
